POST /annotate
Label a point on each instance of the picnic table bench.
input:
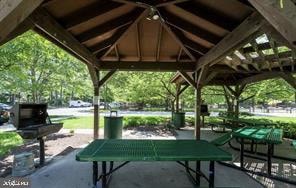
(103, 150)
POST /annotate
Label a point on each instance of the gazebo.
(214, 40)
(207, 42)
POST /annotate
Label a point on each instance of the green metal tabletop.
(268, 135)
(152, 150)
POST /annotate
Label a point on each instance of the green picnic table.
(113, 150)
(270, 136)
(247, 122)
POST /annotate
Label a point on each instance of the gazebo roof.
(164, 35)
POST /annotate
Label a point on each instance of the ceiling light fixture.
(153, 14)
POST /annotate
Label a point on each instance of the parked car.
(79, 103)
(114, 105)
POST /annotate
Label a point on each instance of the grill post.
(41, 151)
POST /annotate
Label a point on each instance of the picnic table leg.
(95, 173)
(104, 171)
(269, 154)
(252, 146)
(242, 153)
(197, 169)
(212, 174)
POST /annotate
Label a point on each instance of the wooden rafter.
(208, 14)
(276, 52)
(14, 12)
(259, 77)
(189, 79)
(147, 66)
(131, 26)
(179, 42)
(117, 53)
(288, 77)
(210, 77)
(184, 25)
(106, 44)
(201, 50)
(234, 40)
(183, 89)
(116, 23)
(259, 52)
(281, 16)
(83, 15)
(159, 38)
(179, 54)
(47, 24)
(146, 3)
(138, 33)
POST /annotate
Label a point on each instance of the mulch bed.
(55, 145)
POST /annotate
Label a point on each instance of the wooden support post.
(96, 109)
(197, 112)
(236, 102)
(95, 76)
(178, 87)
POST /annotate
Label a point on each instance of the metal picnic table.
(270, 136)
(115, 150)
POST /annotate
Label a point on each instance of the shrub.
(132, 121)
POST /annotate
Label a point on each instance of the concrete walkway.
(66, 172)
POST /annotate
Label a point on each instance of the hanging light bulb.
(152, 15)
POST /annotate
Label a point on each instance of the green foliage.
(41, 72)
(133, 121)
(8, 141)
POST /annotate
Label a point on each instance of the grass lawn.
(9, 140)
(81, 122)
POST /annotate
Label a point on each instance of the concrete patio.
(66, 172)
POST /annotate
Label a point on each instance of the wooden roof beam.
(184, 25)
(147, 66)
(109, 26)
(141, 15)
(159, 39)
(147, 3)
(281, 16)
(13, 13)
(234, 40)
(138, 42)
(189, 79)
(208, 14)
(91, 11)
(48, 25)
(189, 43)
(288, 77)
(259, 77)
(106, 44)
(178, 41)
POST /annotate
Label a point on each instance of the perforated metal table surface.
(270, 136)
(115, 150)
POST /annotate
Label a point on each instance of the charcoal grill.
(204, 111)
(32, 122)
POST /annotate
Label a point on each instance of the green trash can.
(179, 119)
(113, 126)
